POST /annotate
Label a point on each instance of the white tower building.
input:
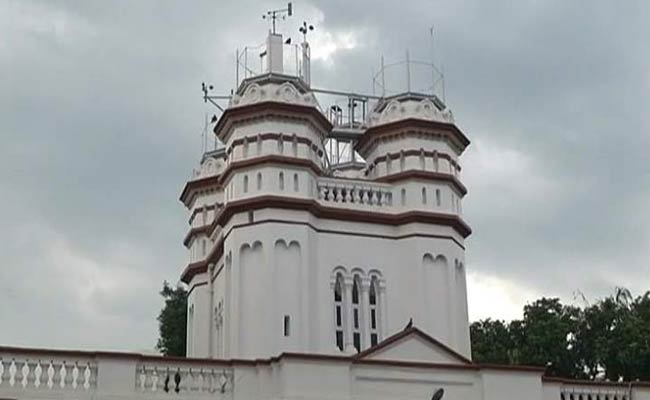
(291, 253)
(314, 238)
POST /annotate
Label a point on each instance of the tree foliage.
(606, 340)
(172, 321)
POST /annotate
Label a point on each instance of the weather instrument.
(304, 29)
(281, 13)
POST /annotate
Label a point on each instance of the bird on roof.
(409, 325)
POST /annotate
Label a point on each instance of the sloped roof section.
(413, 345)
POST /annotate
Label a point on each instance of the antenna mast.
(282, 13)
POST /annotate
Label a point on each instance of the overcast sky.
(101, 119)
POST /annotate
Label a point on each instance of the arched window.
(373, 297)
(281, 180)
(295, 182)
(338, 310)
(403, 197)
(402, 161)
(259, 181)
(424, 195)
(245, 183)
(435, 161)
(356, 311)
(421, 158)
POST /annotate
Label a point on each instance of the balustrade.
(28, 373)
(173, 379)
(595, 393)
(355, 193)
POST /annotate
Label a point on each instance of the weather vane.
(282, 13)
(304, 29)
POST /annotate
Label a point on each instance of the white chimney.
(274, 53)
(306, 60)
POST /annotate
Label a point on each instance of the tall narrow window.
(281, 180)
(435, 161)
(259, 144)
(402, 161)
(245, 183)
(295, 182)
(438, 197)
(259, 181)
(403, 197)
(421, 158)
(374, 330)
(245, 151)
(356, 326)
(294, 145)
(190, 330)
(389, 162)
(424, 195)
(338, 310)
(280, 145)
(287, 327)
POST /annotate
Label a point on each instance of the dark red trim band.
(425, 175)
(448, 129)
(270, 107)
(320, 211)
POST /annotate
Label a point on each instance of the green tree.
(614, 337)
(172, 321)
(548, 336)
(491, 342)
(607, 340)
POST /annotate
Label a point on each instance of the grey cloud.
(101, 122)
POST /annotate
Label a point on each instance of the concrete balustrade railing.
(354, 193)
(60, 374)
(595, 393)
(175, 378)
(45, 373)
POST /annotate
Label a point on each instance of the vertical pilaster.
(383, 312)
(365, 313)
(348, 342)
(211, 311)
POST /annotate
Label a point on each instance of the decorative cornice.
(424, 175)
(197, 184)
(217, 181)
(410, 105)
(252, 139)
(270, 159)
(413, 152)
(448, 129)
(341, 214)
(256, 110)
(319, 211)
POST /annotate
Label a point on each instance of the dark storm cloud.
(101, 121)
